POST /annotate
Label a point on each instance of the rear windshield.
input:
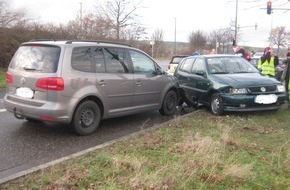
(176, 60)
(36, 58)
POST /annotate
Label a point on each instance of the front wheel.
(169, 104)
(216, 105)
(86, 118)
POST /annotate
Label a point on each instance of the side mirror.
(201, 72)
(160, 71)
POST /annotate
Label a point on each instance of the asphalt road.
(25, 145)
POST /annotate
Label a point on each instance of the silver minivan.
(83, 82)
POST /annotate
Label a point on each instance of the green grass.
(197, 151)
(2, 78)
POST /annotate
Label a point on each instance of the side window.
(99, 60)
(198, 65)
(187, 65)
(116, 60)
(82, 59)
(142, 63)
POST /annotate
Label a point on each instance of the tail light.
(9, 78)
(168, 67)
(51, 83)
(47, 118)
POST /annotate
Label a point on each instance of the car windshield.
(228, 65)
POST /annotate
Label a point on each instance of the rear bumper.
(44, 111)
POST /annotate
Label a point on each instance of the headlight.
(281, 88)
(238, 91)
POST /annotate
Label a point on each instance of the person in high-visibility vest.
(268, 62)
(286, 76)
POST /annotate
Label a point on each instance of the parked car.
(254, 61)
(175, 60)
(258, 54)
(227, 83)
(83, 82)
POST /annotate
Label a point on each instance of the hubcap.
(215, 105)
(87, 117)
(170, 102)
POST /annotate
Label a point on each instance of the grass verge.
(198, 151)
(2, 78)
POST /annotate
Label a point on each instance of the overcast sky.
(188, 15)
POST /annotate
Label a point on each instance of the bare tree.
(157, 38)
(94, 27)
(120, 13)
(279, 37)
(9, 17)
(12, 27)
(197, 40)
(219, 39)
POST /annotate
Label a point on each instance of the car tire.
(86, 118)
(169, 104)
(216, 105)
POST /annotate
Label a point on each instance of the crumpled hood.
(239, 80)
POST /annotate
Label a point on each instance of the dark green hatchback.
(227, 83)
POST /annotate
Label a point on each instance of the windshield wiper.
(31, 69)
(242, 72)
(220, 72)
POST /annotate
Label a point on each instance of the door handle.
(101, 83)
(138, 83)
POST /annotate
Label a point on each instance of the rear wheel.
(169, 104)
(86, 118)
(216, 105)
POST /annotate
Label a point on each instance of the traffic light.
(269, 7)
(234, 42)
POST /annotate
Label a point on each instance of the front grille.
(256, 89)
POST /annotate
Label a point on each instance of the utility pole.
(174, 35)
(81, 18)
(236, 21)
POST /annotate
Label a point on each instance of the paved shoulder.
(2, 93)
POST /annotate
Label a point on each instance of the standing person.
(195, 53)
(212, 51)
(244, 54)
(268, 62)
(286, 76)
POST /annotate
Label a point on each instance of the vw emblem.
(22, 81)
(263, 89)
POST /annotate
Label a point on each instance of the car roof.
(84, 42)
(215, 55)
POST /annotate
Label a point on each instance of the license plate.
(24, 92)
(266, 99)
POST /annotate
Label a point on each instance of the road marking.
(2, 110)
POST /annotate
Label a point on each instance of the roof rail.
(71, 41)
(39, 40)
(97, 41)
